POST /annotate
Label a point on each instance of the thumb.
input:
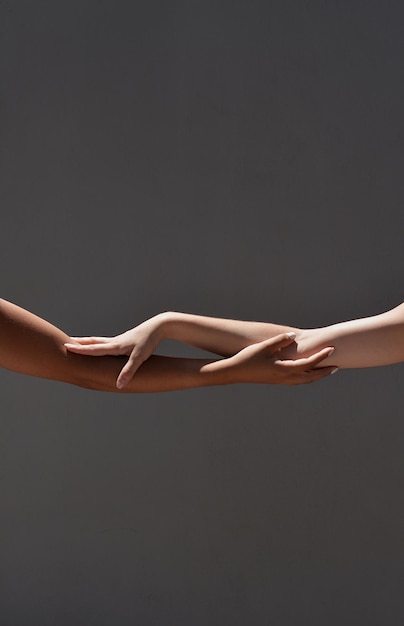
(280, 341)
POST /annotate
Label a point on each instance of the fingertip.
(328, 371)
(282, 340)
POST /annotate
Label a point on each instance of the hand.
(138, 343)
(262, 363)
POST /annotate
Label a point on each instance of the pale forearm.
(366, 342)
(219, 336)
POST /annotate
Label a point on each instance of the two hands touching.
(247, 359)
(138, 344)
(252, 352)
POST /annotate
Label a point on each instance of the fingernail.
(120, 383)
(334, 370)
(331, 351)
(291, 335)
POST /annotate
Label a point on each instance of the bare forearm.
(30, 345)
(366, 342)
(219, 336)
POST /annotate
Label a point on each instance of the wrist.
(167, 324)
(221, 372)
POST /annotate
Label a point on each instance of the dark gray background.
(240, 159)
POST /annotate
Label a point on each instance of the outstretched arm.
(30, 345)
(367, 342)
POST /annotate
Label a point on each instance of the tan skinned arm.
(30, 345)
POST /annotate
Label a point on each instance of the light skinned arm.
(367, 342)
(30, 345)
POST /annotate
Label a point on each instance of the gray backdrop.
(239, 159)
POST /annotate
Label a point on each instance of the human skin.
(366, 342)
(30, 345)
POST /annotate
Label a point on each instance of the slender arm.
(217, 335)
(366, 342)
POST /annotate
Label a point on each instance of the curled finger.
(316, 374)
(310, 362)
(275, 344)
